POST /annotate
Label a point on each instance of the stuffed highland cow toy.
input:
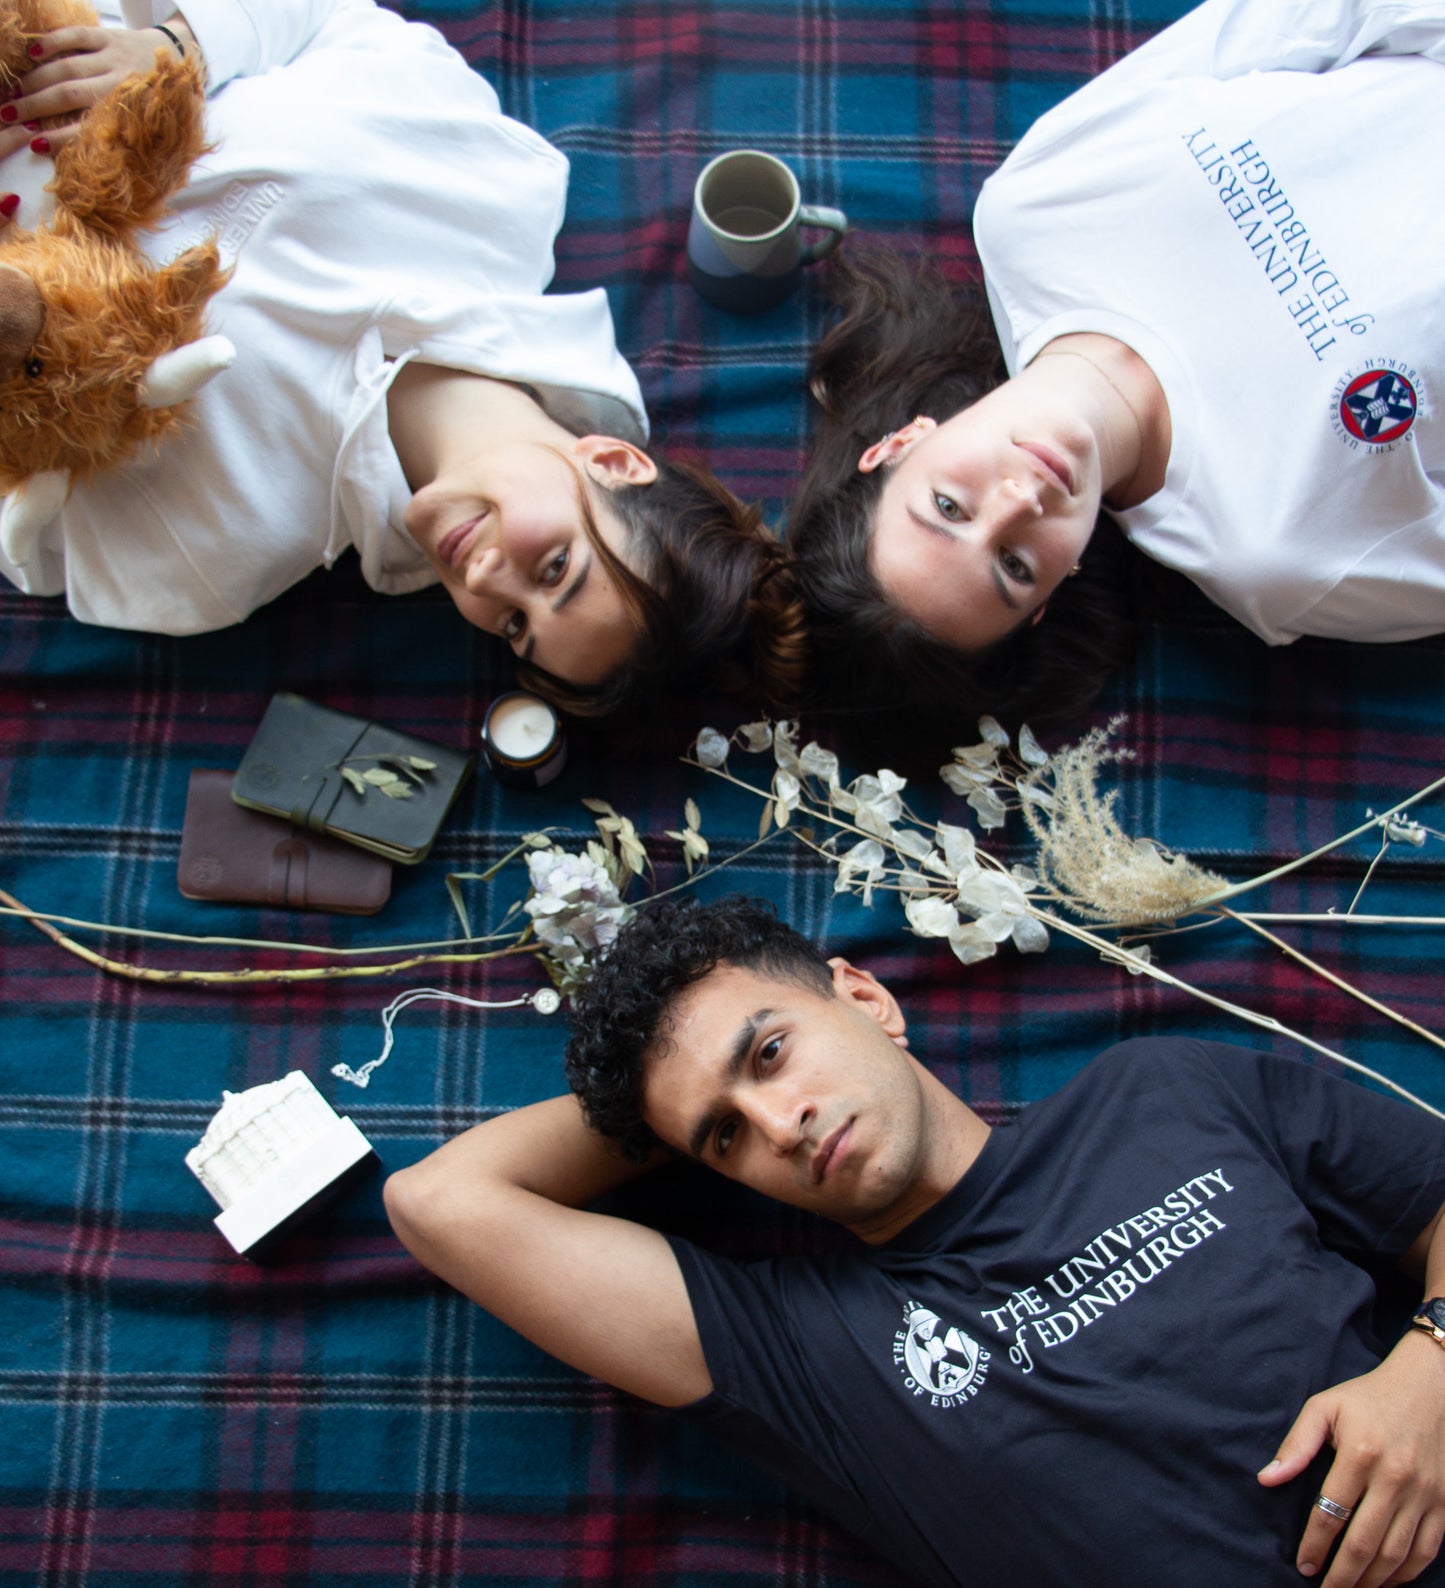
(99, 348)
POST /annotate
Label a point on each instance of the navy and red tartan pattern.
(174, 1415)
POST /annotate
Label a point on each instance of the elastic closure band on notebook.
(286, 883)
(311, 815)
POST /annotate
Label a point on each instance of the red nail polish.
(8, 113)
(36, 50)
(32, 126)
(9, 204)
(40, 145)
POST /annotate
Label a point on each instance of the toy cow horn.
(28, 509)
(182, 372)
(22, 315)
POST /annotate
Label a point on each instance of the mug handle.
(834, 221)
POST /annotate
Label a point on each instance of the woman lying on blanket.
(402, 384)
(1216, 275)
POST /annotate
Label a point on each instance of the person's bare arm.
(498, 1212)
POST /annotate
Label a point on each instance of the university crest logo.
(1378, 406)
(937, 1359)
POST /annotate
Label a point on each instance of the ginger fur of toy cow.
(99, 347)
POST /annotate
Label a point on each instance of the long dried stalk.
(234, 978)
(1377, 821)
(1334, 980)
(1122, 956)
(271, 944)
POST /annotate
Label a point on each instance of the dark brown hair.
(711, 593)
(909, 342)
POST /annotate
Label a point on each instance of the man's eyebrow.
(743, 1040)
(558, 604)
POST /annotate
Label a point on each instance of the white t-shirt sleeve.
(241, 38)
(1320, 35)
(1227, 38)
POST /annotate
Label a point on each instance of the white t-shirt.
(1255, 203)
(377, 207)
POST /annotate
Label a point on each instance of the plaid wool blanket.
(173, 1414)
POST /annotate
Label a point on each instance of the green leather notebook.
(334, 773)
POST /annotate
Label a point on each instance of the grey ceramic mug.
(744, 251)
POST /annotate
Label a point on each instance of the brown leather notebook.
(233, 855)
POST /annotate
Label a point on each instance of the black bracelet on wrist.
(160, 27)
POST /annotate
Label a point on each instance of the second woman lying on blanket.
(403, 386)
(1196, 273)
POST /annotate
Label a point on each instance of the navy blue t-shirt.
(1074, 1364)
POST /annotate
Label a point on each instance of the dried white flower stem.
(1219, 913)
(707, 870)
(938, 886)
(813, 812)
(1122, 956)
(1375, 821)
(1333, 979)
(1114, 952)
(1336, 918)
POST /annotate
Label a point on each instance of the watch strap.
(1430, 1319)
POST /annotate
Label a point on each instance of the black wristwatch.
(1431, 1319)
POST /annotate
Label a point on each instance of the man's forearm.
(545, 1150)
(498, 1214)
(1426, 1258)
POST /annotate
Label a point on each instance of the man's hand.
(1387, 1429)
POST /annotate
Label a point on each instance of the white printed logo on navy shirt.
(937, 1359)
(1108, 1271)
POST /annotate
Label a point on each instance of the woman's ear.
(611, 461)
(894, 444)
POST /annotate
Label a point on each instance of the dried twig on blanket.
(232, 978)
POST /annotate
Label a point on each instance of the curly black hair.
(664, 950)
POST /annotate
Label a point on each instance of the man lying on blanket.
(1060, 1351)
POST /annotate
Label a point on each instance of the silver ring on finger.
(1341, 1513)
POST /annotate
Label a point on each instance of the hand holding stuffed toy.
(99, 347)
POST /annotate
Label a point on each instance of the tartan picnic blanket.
(174, 1414)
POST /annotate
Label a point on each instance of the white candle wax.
(521, 728)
